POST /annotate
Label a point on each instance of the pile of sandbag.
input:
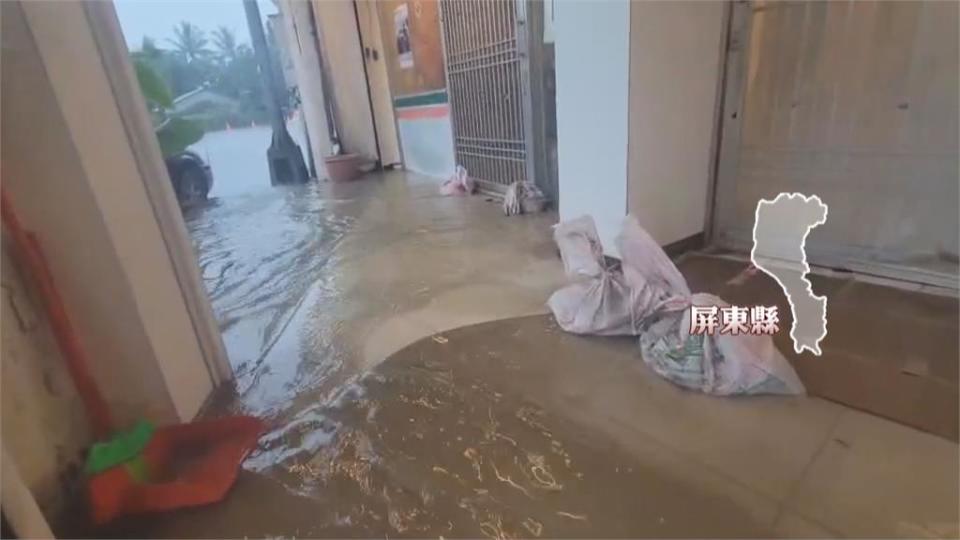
(645, 295)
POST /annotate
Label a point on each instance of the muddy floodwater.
(354, 315)
(466, 434)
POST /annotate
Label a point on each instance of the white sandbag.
(601, 306)
(648, 296)
(720, 364)
(580, 247)
(598, 301)
(645, 263)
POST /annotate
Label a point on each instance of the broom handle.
(29, 250)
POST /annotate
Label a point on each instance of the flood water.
(466, 436)
(262, 252)
(457, 435)
(263, 259)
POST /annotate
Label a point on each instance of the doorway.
(378, 84)
(487, 81)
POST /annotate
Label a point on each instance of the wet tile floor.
(509, 428)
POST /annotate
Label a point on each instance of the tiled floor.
(873, 477)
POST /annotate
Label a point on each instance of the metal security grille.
(485, 84)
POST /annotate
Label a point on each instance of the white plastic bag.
(648, 296)
(720, 364)
(580, 247)
(645, 264)
(458, 184)
(599, 301)
(601, 306)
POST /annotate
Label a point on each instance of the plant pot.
(342, 168)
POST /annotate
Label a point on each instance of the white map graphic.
(779, 249)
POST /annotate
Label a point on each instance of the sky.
(156, 18)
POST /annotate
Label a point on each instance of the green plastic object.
(121, 448)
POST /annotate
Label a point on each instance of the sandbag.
(599, 301)
(720, 364)
(647, 296)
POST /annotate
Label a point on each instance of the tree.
(158, 60)
(149, 50)
(190, 42)
(190, 65)
(221, 64)
(226, 43)
(154, 89)
(173, 133)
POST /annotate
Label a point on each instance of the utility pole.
(284, 157)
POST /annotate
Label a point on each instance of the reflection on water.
(262, 258)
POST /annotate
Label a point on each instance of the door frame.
(728, 126)
(375, 41)
(122, 80)
(524, 28)
(366, 82)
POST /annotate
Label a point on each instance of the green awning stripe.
(430, 98)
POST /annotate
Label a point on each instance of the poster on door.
(401, 29)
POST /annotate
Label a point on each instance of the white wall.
(71, 172)
(128, 228)
(592, 70)
(675, 59)
(43, 174)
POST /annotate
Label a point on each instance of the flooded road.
(238, 157)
